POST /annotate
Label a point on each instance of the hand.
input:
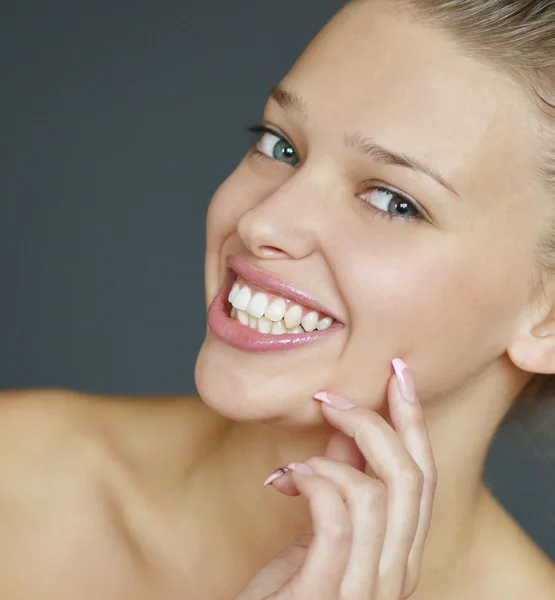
(368, 529)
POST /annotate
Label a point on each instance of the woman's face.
(397, 191)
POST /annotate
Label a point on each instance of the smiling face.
(395, 186)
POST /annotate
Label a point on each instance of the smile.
(272, 314)
(258, 312)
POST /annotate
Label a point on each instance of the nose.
(283, 225)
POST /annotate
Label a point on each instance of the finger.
(392, 463)
(343, 448)
(405, 522)
(366, 501)
(408, 419)
(282, 480)
(340, 447)
(324, 567)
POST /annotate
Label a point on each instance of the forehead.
(377, 70)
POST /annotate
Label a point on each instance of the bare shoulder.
(42, 424)
(508, 563)
(37, 426)
(65, 496)
(48, 433)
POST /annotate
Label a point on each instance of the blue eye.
(391, 203)
(271, 144)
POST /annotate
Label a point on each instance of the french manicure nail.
(406, 382)
(276, 475)
(333, 400)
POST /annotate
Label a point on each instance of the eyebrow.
(291, 102)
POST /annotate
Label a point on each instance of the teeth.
(324, 323)
(264, 325)
(257, 312)
(258, 305)
(241, 300)
(278, 328)
(234, 291)
(293, 317)
(310, 321)
(276, 310)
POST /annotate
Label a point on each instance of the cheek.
(244, 189)
(231, 200)
(448, 313)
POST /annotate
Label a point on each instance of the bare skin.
(117, 487)
(110, 497)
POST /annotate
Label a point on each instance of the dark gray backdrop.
(117, 122)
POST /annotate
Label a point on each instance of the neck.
(461, 431)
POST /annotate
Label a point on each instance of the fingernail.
(333, 400)
(276, 475)
(300, 468)
(406, 383)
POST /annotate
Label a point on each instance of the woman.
(387, 236)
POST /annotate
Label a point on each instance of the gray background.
(117, 122)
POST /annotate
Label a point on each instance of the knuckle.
(339, 532)
(412, 480)
(371, 493)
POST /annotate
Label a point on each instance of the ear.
(532, 348)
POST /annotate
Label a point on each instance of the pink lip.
(244, 338)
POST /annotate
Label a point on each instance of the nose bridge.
(285, 220)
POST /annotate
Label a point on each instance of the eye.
(270, 144)
(391, 203)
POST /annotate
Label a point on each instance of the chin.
(276, 388)
(269, 348)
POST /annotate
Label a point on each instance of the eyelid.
(371, 184)
(260, 128)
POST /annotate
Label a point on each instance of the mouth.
(258, 312)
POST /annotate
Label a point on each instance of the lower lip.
(244, 338)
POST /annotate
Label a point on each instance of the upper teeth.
(242, 298)
(275, 311)
(259, 311)
(293, 316)
(258, 305)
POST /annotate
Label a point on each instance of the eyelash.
(257, 130)
(384, 214)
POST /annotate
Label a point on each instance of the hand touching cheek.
(368, 532)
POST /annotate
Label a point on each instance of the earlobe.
(534, 350)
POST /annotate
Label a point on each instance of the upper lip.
(273, 283)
